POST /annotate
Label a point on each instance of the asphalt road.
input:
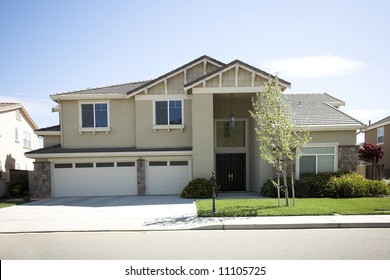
(325, 244)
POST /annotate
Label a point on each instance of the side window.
(380, 135)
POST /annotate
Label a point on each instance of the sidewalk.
(153, 214)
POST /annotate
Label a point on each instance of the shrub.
(270, 190)
(15, 189)
(199, 188)
(318, 183)
(355, 185)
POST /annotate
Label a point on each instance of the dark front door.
(231, 172)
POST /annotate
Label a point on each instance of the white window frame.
(16, 134)
(380, 132)
(319, 145)
(94, 129)
(26, 139)
(168, 126)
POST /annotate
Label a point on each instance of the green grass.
(10, 202)
(303, 207)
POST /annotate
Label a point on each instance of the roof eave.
(331, 127)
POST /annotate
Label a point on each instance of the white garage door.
(167, 177)
(94, 179)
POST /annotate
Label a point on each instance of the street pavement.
(153, 213)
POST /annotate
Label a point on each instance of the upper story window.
(169, 114)
(26, 139)
(94, 115)
(380, 132)
(16, 135)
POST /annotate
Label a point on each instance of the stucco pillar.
(202, 135)
(42, 180)
(141, 177)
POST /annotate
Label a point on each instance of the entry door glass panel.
(230, 137)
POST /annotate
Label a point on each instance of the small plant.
(199, 188)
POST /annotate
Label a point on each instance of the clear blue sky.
(338, 47)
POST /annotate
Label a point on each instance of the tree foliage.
(370, 153)
(278, 137)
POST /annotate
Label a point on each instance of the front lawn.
(303, 207)
(10, 202)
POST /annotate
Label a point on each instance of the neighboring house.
(378, 133)
(152, 137)
(16, 137)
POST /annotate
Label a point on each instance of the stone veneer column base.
(348, 158)
(42, 180)
(141, 187)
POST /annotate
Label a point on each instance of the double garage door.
(118, 178)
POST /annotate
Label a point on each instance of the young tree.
(371, 153)
(278, 137)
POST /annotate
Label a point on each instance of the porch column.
(42, 180)
(202, 135)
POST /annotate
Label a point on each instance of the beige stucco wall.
(122, 125)
(147, 137)
(51, 140)
(347, 137)
(203, 135)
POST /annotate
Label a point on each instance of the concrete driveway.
(100, 214)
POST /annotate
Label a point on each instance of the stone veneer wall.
(42, 180)
(141, 177)
(348, 158)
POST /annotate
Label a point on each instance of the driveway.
(100, 214)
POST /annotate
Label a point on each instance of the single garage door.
(167, 177)
(94, 179)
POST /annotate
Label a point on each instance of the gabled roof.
(320, 111)
(228, 67)
(380, 123)
(12, 106)
(177, 70)
(121, 89)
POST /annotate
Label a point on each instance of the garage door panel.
(94, 181)
(167, 179)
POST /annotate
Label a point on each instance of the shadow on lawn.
(237, 211)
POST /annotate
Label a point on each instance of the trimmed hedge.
(332, 185)
(199, 188)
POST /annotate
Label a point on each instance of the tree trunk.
(292, 185)
(285, 182)
(278, 181)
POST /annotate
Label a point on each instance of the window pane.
(178, 163)
(307, 165)
(63, 165)
(380, 134)
(87, 115)
(104, 164)
(228, 136)
(175, 112)
(84, 165)
(325, 164)
(101, 115)
(125, 164)
(161, 112)
(158, 163)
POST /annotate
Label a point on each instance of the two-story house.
(16, 137)
(378, 133)
(153, 137)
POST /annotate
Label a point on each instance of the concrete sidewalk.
(153, 214)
